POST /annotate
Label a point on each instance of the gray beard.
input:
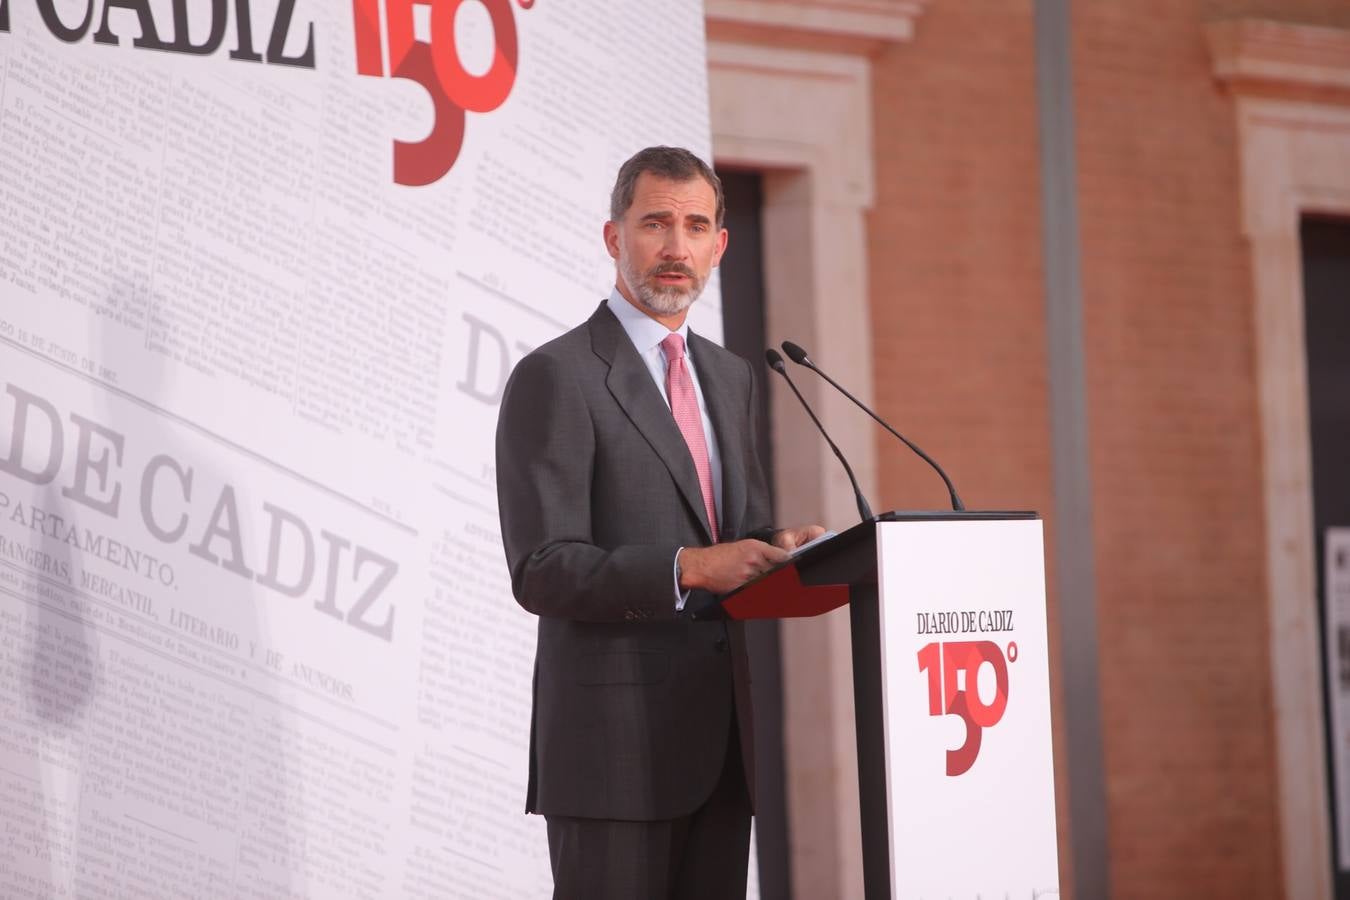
(657, 299)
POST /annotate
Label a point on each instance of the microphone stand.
(798, 355)
(776, 363)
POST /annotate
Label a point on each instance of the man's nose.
(675, 247)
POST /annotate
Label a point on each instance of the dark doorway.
(1326, 293)
(742, 272)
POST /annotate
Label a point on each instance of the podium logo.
(953, 669)
(435, 65)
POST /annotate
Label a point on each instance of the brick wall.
(955, 272)
(1185, 675)
(960, 349)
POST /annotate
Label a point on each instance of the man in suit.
(630, 495)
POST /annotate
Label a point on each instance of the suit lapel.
(716, 374)
(632, 388)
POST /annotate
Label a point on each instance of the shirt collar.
(645, 332)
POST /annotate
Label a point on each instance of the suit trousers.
(701, 856)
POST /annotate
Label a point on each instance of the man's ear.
(722, 237)
(612, 239)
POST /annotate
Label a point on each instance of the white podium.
(952, 695)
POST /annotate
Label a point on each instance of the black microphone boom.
(798, 355)
(776, 363)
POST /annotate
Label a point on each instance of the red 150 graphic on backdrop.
(436, 66)
(943, 661)
(433, 63)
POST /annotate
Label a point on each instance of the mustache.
(672, 268)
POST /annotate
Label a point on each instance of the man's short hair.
(673, 163)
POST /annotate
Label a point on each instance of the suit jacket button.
(720, 645)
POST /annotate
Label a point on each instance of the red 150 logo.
(436, 66)
(944, 662)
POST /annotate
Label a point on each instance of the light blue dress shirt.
(647, 334)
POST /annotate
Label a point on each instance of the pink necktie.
(684, 406)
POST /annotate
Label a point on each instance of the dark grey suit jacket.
(597, 490)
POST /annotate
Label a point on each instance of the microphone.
(798, 355)
(776, 363)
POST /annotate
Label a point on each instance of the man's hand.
(722, 567)
(791, 538)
